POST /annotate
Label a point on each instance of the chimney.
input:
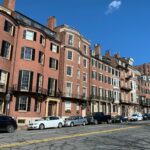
(10, 4)
(97, 50)
(51, 22)
(117, 55)
(107, 54)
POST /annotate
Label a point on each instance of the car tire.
(41, 127)
(95, 122)
(109, 121)
(10, 129)
(60, 125)
(84, 123)
(71, 124)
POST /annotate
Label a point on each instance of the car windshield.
(43, 118)
(71, 118)
(134, 115)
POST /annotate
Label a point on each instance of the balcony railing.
(38, 90)
(95, 97)
(126, 87)
(72, 95)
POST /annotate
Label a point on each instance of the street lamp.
(8, 96)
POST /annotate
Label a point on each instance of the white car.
(136, 117)
(46, 122)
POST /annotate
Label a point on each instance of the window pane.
(23, 103)
(25, 80)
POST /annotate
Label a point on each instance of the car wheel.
(71, 124)
(41, 127)
(95, 122)
(109, 121)
(10, 129)
(60, 125)
(84, 123)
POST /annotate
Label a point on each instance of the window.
(70, 39)
(3, 80)
(25, 80)
(69, 70)
(67, 105)
(94, 90)
(94, 75)
(23, 101)
(39, 82)
(41, 58)
(85, 77)
(84, 92)
(85, 49)
(85, 63)
(78, 59)
(52, 86)
(27, 53)
(29, 35)
(37, 106)
(8, 27)
(77, 106)
(94, 63)
(53, 63)
(79, 44)
(69, 55)
(78, 74)
(6, 50)
(78, 91)
(42, 40)
(54, 48)
(100, 77)
(68, 89)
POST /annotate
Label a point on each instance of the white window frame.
(71, 71)
(68, 55)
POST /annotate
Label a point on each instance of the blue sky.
(119, 25)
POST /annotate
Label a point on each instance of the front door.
(52, 108)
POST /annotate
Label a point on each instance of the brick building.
(29, 59)
(49, 70)
(144, 68)
(74, 72)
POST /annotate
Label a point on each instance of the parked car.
(75, 120)
(98, 117)
(136, 117)
(7, 124)
(47, 122)
(146, 117)
(119, 119)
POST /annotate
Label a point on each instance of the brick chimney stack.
(97, 50)
(51, 22)
(117, 55)
(107, 54)
(10, 4)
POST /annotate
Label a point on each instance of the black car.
(119, 119)
(98, 117)
(146, 117)
(7, 124)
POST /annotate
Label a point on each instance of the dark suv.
(7, 123)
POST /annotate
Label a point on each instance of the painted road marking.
(64, 137)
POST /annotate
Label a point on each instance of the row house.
(29, 63)
(74, 71)
(144, 93)
(104, 83)
(129, 102)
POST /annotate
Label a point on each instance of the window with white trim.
(8, 27)
(67, 105)
(29, 35)
(85, 63)
(23, 102)
(85, 77)
(6, 50)
(70, 55)
(69, 71)
(70, 39)
(27, 53)
(68, 89)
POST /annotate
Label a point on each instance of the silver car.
(75, 120)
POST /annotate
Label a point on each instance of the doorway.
(52, 108)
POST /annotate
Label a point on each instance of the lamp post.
(8, 96)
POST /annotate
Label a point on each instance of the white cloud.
(114, 5)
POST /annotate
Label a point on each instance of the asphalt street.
(126, 136)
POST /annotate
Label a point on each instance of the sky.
(121, 26)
